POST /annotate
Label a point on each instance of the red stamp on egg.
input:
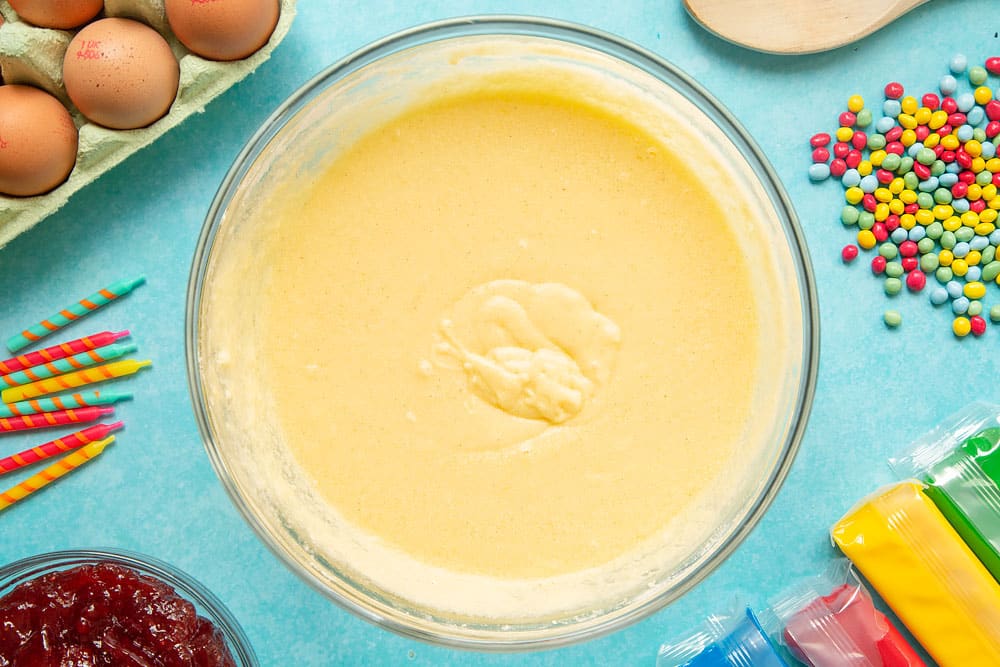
(90, 49)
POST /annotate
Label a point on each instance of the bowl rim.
(615, 47)
(28, 568)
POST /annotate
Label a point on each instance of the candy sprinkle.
(922, 189)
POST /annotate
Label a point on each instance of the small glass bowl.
(299, 139)
(205, 602)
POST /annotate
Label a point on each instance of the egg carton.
(34, 56)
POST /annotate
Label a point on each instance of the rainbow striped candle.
(68, 364)
(60, 351)
(72, 312)
(49, 419)
(53, 472)
(72, 380)
(57, 446)
(65, 402)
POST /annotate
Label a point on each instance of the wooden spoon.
(796, 26)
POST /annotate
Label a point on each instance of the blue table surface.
(155, 491)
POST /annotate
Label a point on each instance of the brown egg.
(38, 141)
(120, 73)
(60, 14)
(222, 29)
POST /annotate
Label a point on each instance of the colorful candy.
(923, 187)
(72, 312)
(72, 380)
(50, 474)
(50, 419)
(57, 446)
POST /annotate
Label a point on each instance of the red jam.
(102, 615)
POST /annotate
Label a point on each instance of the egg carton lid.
(33, 56)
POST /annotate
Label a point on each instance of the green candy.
(893, 269)
(866, 220)
(995, 313)
(977, 75)
(893, 286)
(849, 215)
(928, 262)
(948, 240)
(910, 180)
(975, 308)
(942, 196)
(991, 271)
(984, 178)
(988, 254)
(888, 250)
(891, 161)
(906, 165)
(925, 246)
(944, 274)
(965, 234)
(864, 119)
(934, 230)
(892, 318)
(925, 200)
(926, 157)
(938, 167)
(876, 142)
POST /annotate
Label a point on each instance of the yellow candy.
(942, 212)
(993, 165)
(855, 103)
(896, 207)
(974, 148)
(985, 228)
(961, 326)
(973, 257)
(952, 224)
(881, 211)
(854, 195)
(907, 121)
(995, 203)
(978, 164)
(975, 192)
(950, 142)
(908, 196)
(883, 195)
(989, 192)
(932, 140)
(924, 217)
(864, 167)
(908, 138)
(844, 134)
(866, 239)
(988, 215)
(983, 95)
(876, 157)
(909, 105)
(922, 116)
(897, 185)
(959, 267)
(975, 290)
(969, 219)
(938, 119)
(945, 257)
(907, 221)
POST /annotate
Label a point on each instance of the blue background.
(155, 491)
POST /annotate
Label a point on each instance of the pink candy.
(849, 253)
(916, 280)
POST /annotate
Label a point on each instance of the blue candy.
(960, 305)
(939, 296)
(819, 171)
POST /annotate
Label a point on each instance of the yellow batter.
(502, 331)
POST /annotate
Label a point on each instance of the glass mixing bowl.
(305, 135)
(206, 604)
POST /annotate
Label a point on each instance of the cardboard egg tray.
(34, 56)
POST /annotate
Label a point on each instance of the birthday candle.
(60, 351)
(57, 446)
(69, 364)
(49, 419)
(71, 380)
(65, 402)
(53, 472)
(72, 312)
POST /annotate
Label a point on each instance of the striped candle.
(72, 380)
(65, 402)
(72, 312)
(57, 446)
(68, 364)
(50, 474)
(50, 419)
(60, 351)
